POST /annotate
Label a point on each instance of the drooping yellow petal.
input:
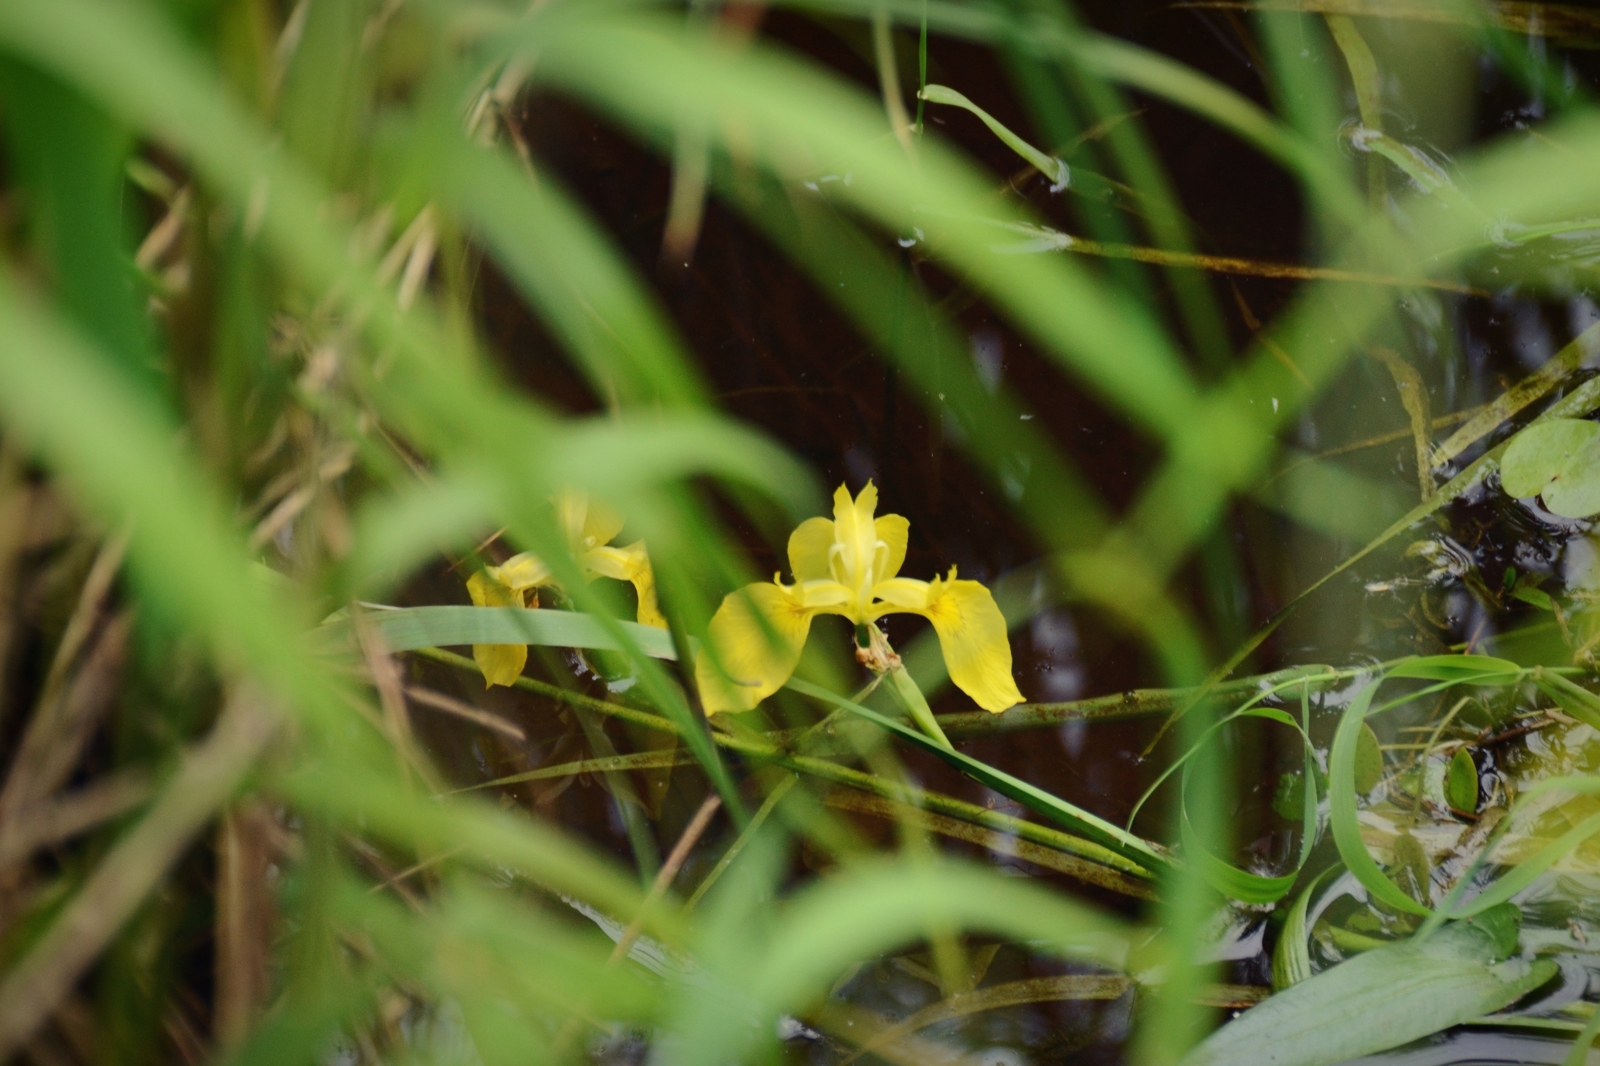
(501, 663)
(522, 571)
(644, 583)
(630, 564)
(809, 545)
(972, 634)
(756, 636)
(894, 530)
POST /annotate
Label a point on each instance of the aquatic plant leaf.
(1558, 460)
(1369, 760)
(1462, 669)
(1228, 879)
(1461, 782)
(1381, 999)
(1342, 807)
(1291, 958)
(1054, 169)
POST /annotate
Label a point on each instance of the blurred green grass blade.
(300, 1032)
(643, 760)
(324, 90)
(69, 156)
(113, 448)
(363, 799)
(879, 904)
(854, 272)
(1378, 1000)
(1187, 88)
(473, 946)
(873, 907)
(408, 628)
(1036, 799)
(809, 123)
(1342, 808)
(616, 460)
(397, 531)
(586, 291)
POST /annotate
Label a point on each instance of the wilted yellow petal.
(808, 549)
(501, 663)
(756, 636)
(972, 635)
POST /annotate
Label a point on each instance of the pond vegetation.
(987, 532)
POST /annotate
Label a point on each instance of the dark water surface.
(781, 357)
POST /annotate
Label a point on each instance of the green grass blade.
(1342, 807)
(1036, 799)
(1054, 169)
(408, 628)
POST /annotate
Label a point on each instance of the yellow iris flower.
(590, 527)
(850, 566)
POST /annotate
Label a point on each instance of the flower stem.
(916, 705)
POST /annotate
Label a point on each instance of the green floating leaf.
(1461, 782)
(1558, 460)
(1461, 669)
(1369, 760)
(1381, 999)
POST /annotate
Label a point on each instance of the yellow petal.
(855, 534)
(601, 525)
(972, 635)
(756, 637)
(501, 663)
(809, 545)
(524, 571)
(586, 523)
(894, 530)
(629, 564)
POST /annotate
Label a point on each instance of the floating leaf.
(1461, 782)
(1383, 998)
(1463, 669)
(1369, 760)
(1558, 460)
(1412, 871)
